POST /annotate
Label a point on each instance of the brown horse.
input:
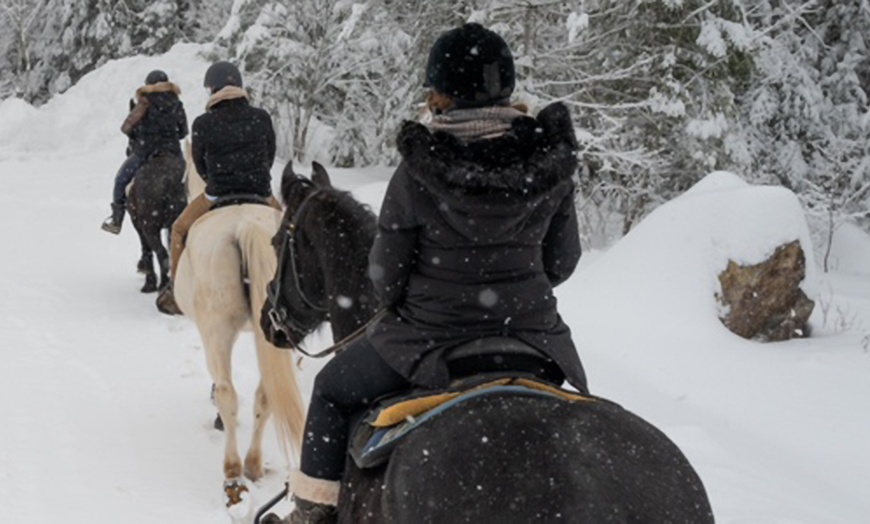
(156, 198)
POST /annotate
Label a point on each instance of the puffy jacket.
(233, 146)
(472, 238)
(157, 122)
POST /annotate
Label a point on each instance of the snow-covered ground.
(106, 415)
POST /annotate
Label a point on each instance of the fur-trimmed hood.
(163, 95)
(159, 87)
(533, 157)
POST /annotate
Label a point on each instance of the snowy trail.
(105, 405)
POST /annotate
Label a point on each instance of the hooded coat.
(472, 239)
(157, 122)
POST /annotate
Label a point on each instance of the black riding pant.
(355, 378)
(345, 386)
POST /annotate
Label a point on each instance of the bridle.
(279, 317)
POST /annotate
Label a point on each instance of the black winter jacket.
(233, 147)
(472, 238)
(157, 122)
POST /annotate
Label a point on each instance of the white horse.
(221, 284)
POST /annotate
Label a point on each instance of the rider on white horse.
(233, 148)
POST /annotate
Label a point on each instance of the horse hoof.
(166, 302)
(149, 288)
(236, 492)
(218, 423)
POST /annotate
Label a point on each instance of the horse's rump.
(159, 183)
(216, 258)
(530, 459)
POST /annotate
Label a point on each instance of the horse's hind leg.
(146, 264)
(145, 261)
(218, 342)
(254, 457)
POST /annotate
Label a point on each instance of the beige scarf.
(227, 93)
(477, 123)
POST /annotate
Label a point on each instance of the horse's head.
(323, 249)
(297, 296)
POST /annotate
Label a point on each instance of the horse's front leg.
(163, 262)
(145, 265)
(254, 457)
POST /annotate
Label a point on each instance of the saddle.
(238, 199)
(393, 417)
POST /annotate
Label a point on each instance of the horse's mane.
(341, 210)
(343, 215)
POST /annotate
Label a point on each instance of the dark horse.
(322, 247)
(510, 458)
(156, 199)
(529, 459)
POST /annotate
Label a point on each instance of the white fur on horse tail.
(276, 365)
(194, 185)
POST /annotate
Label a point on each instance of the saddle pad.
(375, 440)
(396, 413)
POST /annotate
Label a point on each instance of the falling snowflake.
(488, 298)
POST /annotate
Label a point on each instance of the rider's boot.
(166, 301)
(307, 512)
(113, 223)
(315, 499)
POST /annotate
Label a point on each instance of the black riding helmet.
(472, 65)
(222, 74)
(155, 77)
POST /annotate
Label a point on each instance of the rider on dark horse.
(155, 125)
(233, 148)
(477, 226)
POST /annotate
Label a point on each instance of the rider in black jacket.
(233, 147)
(155, 124)
(477, 227)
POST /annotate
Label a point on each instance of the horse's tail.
(194, 185)
(276, 365)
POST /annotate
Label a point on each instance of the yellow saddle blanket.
(403, 410)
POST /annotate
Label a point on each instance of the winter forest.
(710, 132)
(664, 91)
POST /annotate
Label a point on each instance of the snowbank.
(88, 115)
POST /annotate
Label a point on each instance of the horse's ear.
(287, 176)
(319, 175)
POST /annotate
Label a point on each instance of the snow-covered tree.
(805, 116)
